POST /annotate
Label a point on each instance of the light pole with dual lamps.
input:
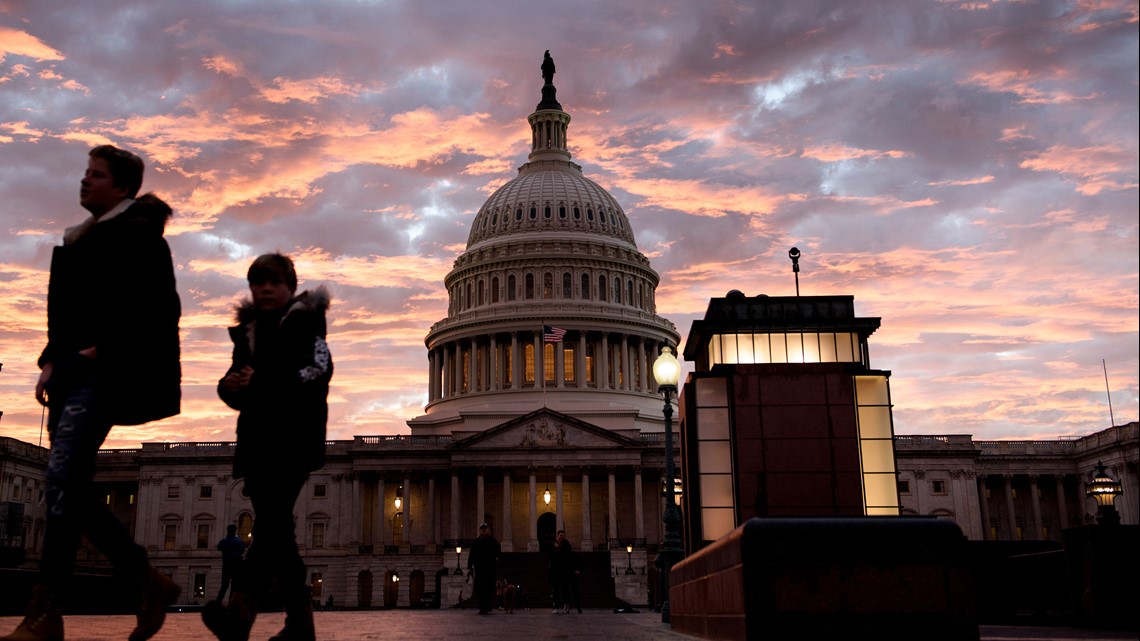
(666, 372)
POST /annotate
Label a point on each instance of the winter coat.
(281, 428)
(112, 287)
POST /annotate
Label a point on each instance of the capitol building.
(542, 415)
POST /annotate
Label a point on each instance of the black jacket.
(112, 287)
(284, 410)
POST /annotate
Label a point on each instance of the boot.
(156, 593)
(298, 618)
(233, 621)
(44, 620)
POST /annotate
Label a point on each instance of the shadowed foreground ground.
(401, 625)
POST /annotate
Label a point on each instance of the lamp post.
(458, 551)
(1104, 490)
(629, 559)
(667, 371)
(794, 254)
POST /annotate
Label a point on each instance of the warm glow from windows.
(876, 445)
(795, 347)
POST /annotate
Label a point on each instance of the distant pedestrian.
(483, 560)
(279, 381)
(111, 359)
(232, 550)
(564, 575)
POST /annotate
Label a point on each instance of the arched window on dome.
(590, 214)
(620, 224)
(533, 212)
(511, 287)
(518, 214)
(585, 287)
(577, 213)
(548, 285)
(494, 219)
(601, 288)
(629, 292)
(528, 363)
(467, 302)
(548, 362)
(529, 293)
(567, 282)
(613, 220)
(562, 211)
(617, 290)
(479, 293)
(495, 289)
(602, 217)
(546, 212)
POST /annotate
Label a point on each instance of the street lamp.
(667, 371)
(1104, 490)
(629, 557)
(458, 551)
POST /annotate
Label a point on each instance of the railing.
(1026, 447)
(654, 438)
(403, 440)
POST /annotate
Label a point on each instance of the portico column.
(506, 537)
(559, 365)
(1007, 483)
(539, 362)
(458, 369)
(558, 507)
(480, 507)
(587, 534)
(603, 375)
(455, 534)
(532, 543)
(1035, 506)
(1062, 504)
(406, 509)
(379, 514)
(431, 375)
(638, 508)
(357, 537)
(445, 373)
(515, 360)
(432, 538)
(472, 370)
(494, 360)
(626, 383)
(643, 365)
(580, 360)
(919, 477)
(985, 505)
(612, 534)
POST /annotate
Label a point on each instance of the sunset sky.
(967, 170)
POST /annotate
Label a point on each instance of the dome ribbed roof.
(550, 196)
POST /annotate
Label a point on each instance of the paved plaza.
(408, 625)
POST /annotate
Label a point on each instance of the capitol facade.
(542, 415)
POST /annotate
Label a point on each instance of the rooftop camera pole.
(794, 254)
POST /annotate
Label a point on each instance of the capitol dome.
(551, 269)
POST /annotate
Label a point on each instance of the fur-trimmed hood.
(312, 301)
(147, 210)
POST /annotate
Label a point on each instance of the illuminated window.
(876, 445)
(528, 364)
(590, 365)
(245, 527)
(508, 369)
(203, 540)
(466, 380)
(568, 364)
(714, 459)
(169, 536)
(548, 362)
(794, 347)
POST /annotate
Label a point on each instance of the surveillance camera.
(794, 253)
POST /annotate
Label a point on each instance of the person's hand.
(41, 384)
(235, 381)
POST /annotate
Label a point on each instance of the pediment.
(545, 429)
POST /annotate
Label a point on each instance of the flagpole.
(542, 332)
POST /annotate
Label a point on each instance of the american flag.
(552, 334)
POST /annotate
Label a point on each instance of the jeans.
(73, 505)
(273, 551)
